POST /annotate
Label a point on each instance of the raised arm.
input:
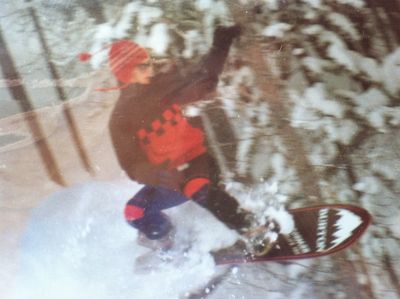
(202, 79)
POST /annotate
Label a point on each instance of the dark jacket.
(148, 130)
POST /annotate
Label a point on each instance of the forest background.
(310, 96)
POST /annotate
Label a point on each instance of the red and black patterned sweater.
(149, 131)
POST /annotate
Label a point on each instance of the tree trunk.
(270, 87)
(76, 136)
(20, 95)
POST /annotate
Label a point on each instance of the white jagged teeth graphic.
(322, 229)
(345, 226)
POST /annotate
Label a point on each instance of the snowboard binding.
(260, 240)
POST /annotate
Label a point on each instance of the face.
(143, 72)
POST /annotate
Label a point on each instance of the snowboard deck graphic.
(319, 231)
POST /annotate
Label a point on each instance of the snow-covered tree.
(333, 59)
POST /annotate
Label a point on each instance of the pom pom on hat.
(85, 56)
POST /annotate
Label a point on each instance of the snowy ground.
(77, 245)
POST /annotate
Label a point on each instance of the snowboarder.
(157, 145)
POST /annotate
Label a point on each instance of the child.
(158, 146)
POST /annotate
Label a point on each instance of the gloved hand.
(223, 36)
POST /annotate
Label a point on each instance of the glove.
(223, 36)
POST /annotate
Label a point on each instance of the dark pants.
(143, 211)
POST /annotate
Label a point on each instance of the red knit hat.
(123, 56)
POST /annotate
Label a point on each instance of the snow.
(379, 164)
(298, 268)
(282, 217)
(394, 115)
(371, 104)
(271, 4)
(276, 30)
(298, 51)
(77, 245)
(204, 4)
(339, 53)
(317, 97)
(158, 39)
(214, 12)
(147, 15)
(314, 3)
(370, 185)
(344, 23)
(368, 66)
(355, 3)
(193, 43)
(312, 29)
(391, 71)
(371, 99)
(323, 153)
(316, 65)
(342, 131)
(394, 226)
(265, 202)
(337, 49)
(316, 101)
(124, 23)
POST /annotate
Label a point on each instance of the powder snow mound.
(78, 245)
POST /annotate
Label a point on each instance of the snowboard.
(318, 231)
